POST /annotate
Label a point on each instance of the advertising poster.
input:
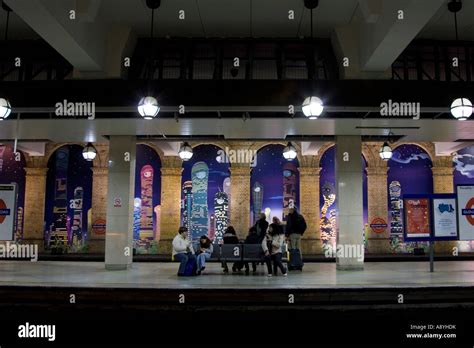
(417, 217)
(444, 218)
(7, 211)
(466, 211)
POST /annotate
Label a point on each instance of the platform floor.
(163, 276)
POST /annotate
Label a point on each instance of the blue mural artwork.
(205, 195)
(328, 198)
(409, 173)
(68, 199)
(147, 199)
(12, 171)
(274, 184)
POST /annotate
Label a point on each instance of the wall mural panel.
(409, 173)
(328, 199)
(205, 191)
(147, 200)
(68, 199)
(12, 171)
(274, 184)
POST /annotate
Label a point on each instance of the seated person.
(252, 238)
(204, 253)
(182, 249)
(230, 237)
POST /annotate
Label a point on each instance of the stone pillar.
(121, 185)
(240, 198)
(377, 201)
(443, 182)
(35, 196)
(171, 169)
(349, 198)
(309, 208)
(99, 207)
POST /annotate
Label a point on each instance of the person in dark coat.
(261, 226)
(230, 237)
(252, 238)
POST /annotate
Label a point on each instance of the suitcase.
(191, 268)
(295, 262)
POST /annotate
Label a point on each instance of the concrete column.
(349, 196)
(121, 184)
(443, 182)
(377, 201)
(99, 207)
(309, 208)
(35, 195)
(240, 198)
(171, 169)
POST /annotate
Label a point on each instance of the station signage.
(378, 225)
(7, 211)
(466, 211)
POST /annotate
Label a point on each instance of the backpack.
(300, 224)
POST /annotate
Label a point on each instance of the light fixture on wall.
(312, 107)
(148, 106)
(289, 152)
(386, 151)
(461, 108)
(5, 109)
(89, 152)
(185, 151)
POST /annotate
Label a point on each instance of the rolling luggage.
(191, 268)
(295, 263)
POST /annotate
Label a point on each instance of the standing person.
(205, 250)
(295, 227)
(182, 250)
(272, 247)
(262, 226)
(230, 237)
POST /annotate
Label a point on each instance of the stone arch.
(428, 147)
(158, 151)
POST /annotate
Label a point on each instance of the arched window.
(147, 200)
(205, 191)
(68, 199)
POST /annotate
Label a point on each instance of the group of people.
(271, 236)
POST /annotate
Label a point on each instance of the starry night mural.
(204, 201)
(328, 199)
(147, 198)
(12, 171)
(409, 173)
(274, 184)
(68, 199)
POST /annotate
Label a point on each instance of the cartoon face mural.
(274, 184)
(12, 171)
(147, 209)
(68, 199)
(205, 205)
(328, 197)
(409, 173)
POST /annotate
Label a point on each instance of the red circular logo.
(378, 225)
(98, 226)
(470, 205)
(2, 206)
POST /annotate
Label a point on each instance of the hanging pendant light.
(461, 108)
(185, 151)
(385, 152)
(5, 109)
(148, 106)
(89, 152)
(289, 152)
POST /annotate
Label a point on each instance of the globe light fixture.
(185, 152)
(5, 109)
(312, 107)
(289, 152)
(461, 109)
(89, 152)
(148, 108)
(385, 152)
